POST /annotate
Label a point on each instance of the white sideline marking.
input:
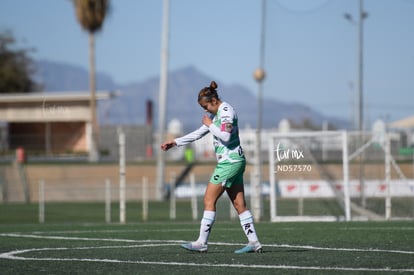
(18, 235)
(377, 228)
(114, 230)
(341, 249)
(128, 231)
(13, 255)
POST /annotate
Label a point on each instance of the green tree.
(16, 67)
(91, 15)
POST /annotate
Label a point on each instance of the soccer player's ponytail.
(208, 93)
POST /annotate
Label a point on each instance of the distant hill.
(64, 77)
(183, 87)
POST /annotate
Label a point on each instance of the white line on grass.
(17, 235)
(373, 228)
(12, 255)
(340, 249)
(120, 231)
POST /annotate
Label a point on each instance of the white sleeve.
(223, 135)
(197, 134)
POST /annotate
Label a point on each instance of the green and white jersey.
(227, 148)
(225, 130)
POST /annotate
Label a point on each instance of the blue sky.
(310, 48)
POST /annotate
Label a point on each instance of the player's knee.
(209, 204)
(240, 206)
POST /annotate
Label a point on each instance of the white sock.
(246, 221)
(206, 224)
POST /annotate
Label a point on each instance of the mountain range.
(129, 106)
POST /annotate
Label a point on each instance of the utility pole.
(162, 98)
(362, 15)
(259, 75)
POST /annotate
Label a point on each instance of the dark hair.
(208, 93)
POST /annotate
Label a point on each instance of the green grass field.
(75, 240)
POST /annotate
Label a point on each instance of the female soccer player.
(222, 122)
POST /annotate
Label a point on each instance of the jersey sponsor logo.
(224, 121)
(216, 177)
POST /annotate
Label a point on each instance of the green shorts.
(228, 173)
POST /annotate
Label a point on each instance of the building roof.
(405, 123)
(54, 96)
(48, 107)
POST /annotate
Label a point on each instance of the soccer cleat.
(195, 246)
(250, 247)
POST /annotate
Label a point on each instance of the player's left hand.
(168, 145)
(207, 120)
